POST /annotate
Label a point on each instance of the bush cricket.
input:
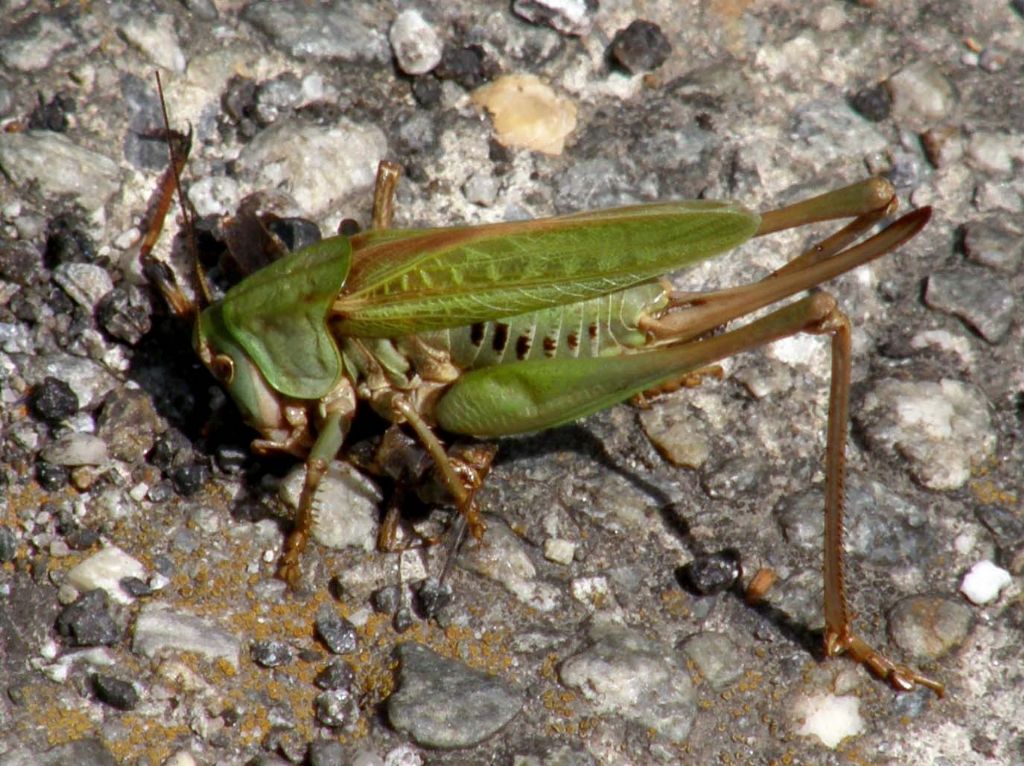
(499, 329)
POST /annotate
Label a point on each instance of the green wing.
(407, 281)
(279, 316)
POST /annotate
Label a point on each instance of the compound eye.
(223, 368)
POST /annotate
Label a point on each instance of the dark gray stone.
(443, 703)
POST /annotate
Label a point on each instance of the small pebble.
(104, 570)
(994, 152)
(329, 752)
(874, 102)
(125, 314)
(159, 629)
(559, 551)
(136, 587)
(944, 146)
(155, 37)
(51, 477)
(993, 243)
(527, 113)
(115, 692)
(53, 400)
(33, 45)
(276, 98)
(337, 633)
(921, 95)
(8, 545)
(58, 167)
(712, 573)
(321, 32)
(416, 45)
(717, 658)
(980, 298)
(347, 506)
(828, 717)
(504, 559)
(432, 597)
(427, 91)
(466, 65)
(204, 9)
(678, 436)
(182, 757)
(445, 704)
(85, 283)
(75, 449)
(88, 622)
(481, 189)
(336, 708)
(90, 380)
(927, 628)
(128, 423)
(337, 675)
(271, 654)
(594, 592)
(984, 582)
(640, 47)
(386, 600)
(570, 17)
(404, 619)
(302, 159)
(189, 479)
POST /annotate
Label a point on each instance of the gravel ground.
(141, 620)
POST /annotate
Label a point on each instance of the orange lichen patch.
(558, 703)
(486, 652)
(62, 723)
(569, 728)
(990, 493)
(675, 603)
(145, 739)
(549, 670)
(588, 724)
(752, 681)
(24, 502)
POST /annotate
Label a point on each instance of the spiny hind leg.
(816, 314)
(839, 634)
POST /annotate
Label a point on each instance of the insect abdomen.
(598, 327)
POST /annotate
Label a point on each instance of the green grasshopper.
(500, 329)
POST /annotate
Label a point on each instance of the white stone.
(984, 582)
(829, 718)
(558, 550)
(415, 43)
(159, 629)
(592, 591)
(105, 569)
